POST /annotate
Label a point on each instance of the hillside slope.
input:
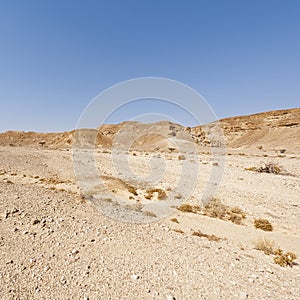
(274, 130)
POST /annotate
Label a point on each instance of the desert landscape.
(140, 227)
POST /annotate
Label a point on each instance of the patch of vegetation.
(161, 194)
(131, 189)
(265, 245)
(181, 157)
(210, 237)
(284, 259)
(263, 224)
(216, 209)
(189, 208)
(280, 258)
(267, 168)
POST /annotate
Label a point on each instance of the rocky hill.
(274, 130)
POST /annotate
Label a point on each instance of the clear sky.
(55, 56)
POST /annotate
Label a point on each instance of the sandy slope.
(55, 245)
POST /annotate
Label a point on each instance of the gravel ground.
(56, 245)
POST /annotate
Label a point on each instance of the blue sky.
(56, 56)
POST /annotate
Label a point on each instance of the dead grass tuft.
(131, 189)
(189, 208)
(265, 245)
(210, 237)
(284, 259)
(280, 258)
(161, 194)
(216, 209)
(263, 224)
(267, 168)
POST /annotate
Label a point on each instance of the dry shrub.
(265, 245)
(131, 189)
(161, 194)
(181, 157)
(175, 220)
(250, 169)
(210, 237)
(280, 258)
(189, 208)
(216, 209)
(284, 259)
(267, 168)
(263, 224)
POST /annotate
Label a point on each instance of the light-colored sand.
(74, 251)
(77, 237)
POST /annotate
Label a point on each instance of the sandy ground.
(56, 245)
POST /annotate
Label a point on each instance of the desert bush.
(189, 208)
(131, 189)
(161, 194)
(216, 209)
(267, 168)
(284, 259)
(265, 245)
(181, 157)
(210, 237)
(263, 224)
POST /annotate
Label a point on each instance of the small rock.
(75, 251)
(25, 232)
(135, 277)
(35, 221)
(14, 211)
(9, 262)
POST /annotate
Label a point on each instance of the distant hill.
(271, 130)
